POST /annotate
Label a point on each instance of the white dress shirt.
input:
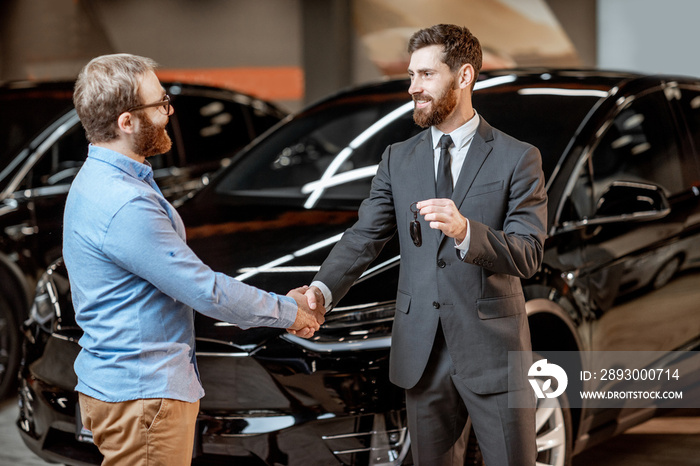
(462, 139)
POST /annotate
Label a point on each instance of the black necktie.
(444, 175)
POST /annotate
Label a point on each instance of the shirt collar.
(131, 167)
(461, 136)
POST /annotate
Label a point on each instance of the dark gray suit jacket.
(479, 299)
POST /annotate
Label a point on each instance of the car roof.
(64, 88)
(604, 80)
(55, 98)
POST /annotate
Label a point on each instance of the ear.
(466, 76)
(126, 123)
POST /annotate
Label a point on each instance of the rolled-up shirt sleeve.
(142, 240)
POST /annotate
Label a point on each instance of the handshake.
(310, 311)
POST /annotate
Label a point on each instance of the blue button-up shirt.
(135, 283)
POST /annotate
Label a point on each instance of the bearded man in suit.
(460, 306)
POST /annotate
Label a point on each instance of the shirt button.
(436, 305)
(441, 263)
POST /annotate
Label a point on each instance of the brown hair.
(459, 45)
(106, 87)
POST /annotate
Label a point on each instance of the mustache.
(423, 97)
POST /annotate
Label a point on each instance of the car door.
(634, 198)
(629, 261)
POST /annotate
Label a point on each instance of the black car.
(43, 146)
(620, 270)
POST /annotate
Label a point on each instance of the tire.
(10, 351)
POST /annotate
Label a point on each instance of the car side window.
(61, 162)
(214, 127)
(25, 113)
(640, 145)
(368, 154)
(329, 154)
(690, 106)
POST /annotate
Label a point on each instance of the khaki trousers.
(147, 432)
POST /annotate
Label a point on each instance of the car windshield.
(329, 153)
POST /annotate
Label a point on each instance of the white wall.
(649, 36)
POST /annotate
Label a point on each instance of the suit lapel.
(478, 151)
(425, 175)
(426, 168)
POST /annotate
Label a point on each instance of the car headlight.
(44, 309)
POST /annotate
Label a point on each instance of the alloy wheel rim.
(551, 433)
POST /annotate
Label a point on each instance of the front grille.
(385, 444)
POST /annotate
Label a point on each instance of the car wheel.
(9, 348)
(553, 426)
(666, 273)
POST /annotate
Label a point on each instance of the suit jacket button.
(436, 305)
(441, 263)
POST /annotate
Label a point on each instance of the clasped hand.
(310, 312)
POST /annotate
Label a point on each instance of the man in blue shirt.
(134, 280)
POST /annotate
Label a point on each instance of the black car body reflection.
(42, 146)
(619, 154)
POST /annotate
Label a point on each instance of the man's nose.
(415, 87)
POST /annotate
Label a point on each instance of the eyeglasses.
(165, 103)
(414, 228)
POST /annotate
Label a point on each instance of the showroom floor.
(662, 441)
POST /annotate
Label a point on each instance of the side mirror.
(626, 201)
(631, 201)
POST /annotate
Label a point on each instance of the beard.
(151, 140)
(442, 107)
